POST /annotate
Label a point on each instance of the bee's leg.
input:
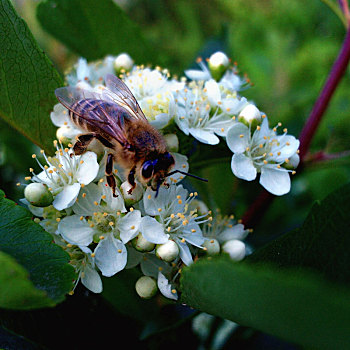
(82, 143)
(109, 173)
(131, 179)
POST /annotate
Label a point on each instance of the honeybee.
(116, 120)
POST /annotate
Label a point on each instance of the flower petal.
(129, 226)
(237, 138)
(275, 181)
(185, 253)
(88, 168)
(195, 74)
(153, 231)
(75, 231)
(204, 136)
(85, 205)
(110, 256)
(234, 232)
(165, 287)
(66, 197)
(91, 279)
(243, 167)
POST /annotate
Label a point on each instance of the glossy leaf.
(27, 80)
(34, 249)
(93, 29)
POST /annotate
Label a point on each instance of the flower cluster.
(161, 231)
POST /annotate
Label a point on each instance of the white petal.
(185, 253)
(194, 74)
(110, 256)
(237, 138)
(153, 231)
(114, 204)
(85, 205)
(66, 198)
(204, 136)
(60, 116)
(160, 121)
(275, 181)
(88, 169)
(243, 167)
(235, 232)
(181, 163)
(75, 231)
(91, 280)
(213, 92)
(290, 148)
(165, 287)
(129, 225)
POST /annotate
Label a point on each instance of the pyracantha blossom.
(99, 217)
(263, 151)
(170, 217)
(65, 174)
(153, 89)
(194, 115)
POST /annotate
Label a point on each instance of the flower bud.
(218, 64)
(134, 196)
(172, 142)
(146, 287)
(212, 246)
(141, 244)
(235, 248)
(38, 194)
(250, 114)
(123, 62)
(66, 134)
(167, 251)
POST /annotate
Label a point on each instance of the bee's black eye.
(147, 169)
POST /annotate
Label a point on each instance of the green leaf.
(94, 29)
(293, 305)
(27, 80)
(17, 291)
(322, 244)
(34, 249)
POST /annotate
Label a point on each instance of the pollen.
(241, 136)
(258, 127)
(172, 216)
(105, 214)
(27, 178)
(103, 196)
(173, 291)
(286, 160)
(159, 210)
(183, 240)
(193, 230)
(180, 201)
(83, 195)
(81, 218)
(101, 180)
(168, 229)
(149, 196)
(96, 203)
(111, 223)
(131, 209)
(92, 225)
(81, 162)
(222, 129)
(33, 155)
(234, 117)
(93, 255)
(58, 219)
(101, 237)
(119, 250)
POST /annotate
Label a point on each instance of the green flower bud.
(218, 64)
(211, 246)
(123, 62)
(146, 287)
(141, 244)
(134, 196)
(168, 251)
(235, 249)
(38, 194)
(172, 142)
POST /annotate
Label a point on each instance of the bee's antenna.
(188, 174)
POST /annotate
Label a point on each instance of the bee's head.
(154, 171)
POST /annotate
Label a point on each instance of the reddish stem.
(264, 199)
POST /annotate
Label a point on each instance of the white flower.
(262, 151)
(65, 173)
(173, 219)
(84, 264)
(98, 217)
(230, 80)
(194, 115)
(153, 91)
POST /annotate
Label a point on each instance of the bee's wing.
(119, 93)
(92, 108)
